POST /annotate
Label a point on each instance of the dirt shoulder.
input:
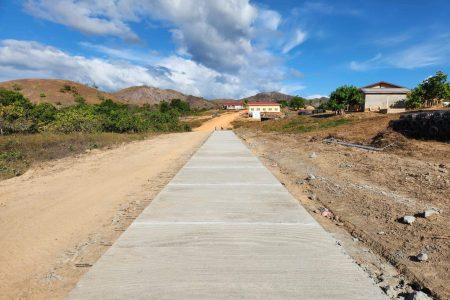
(369, 191)
(57, 219)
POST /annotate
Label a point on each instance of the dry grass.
(49, 90)
(18, 152)
(298, 124)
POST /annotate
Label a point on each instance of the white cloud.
(29, 59)
(298, 38)
(430, 53)
(269, 19)
(315, 96)
(292, 89)
(92, 17)
(371, 63)
(218, 36)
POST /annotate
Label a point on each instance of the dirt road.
(57, 220)
(221, 122)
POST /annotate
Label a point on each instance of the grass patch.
(297, 124)
(19, 151)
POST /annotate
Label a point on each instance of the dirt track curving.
(220, 122)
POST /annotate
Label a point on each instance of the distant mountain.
(56, 91)
(225, 100)
(268, 96)
(317, 101)
(140, 95)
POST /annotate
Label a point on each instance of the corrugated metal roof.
(385, 90)
(263, 103)
(380, 83)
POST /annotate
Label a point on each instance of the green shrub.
(76, 119)
(18, 114)
(44, 113)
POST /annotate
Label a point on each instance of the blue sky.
(225, 49)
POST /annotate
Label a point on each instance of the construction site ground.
(368, 193)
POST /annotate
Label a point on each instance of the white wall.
(375, 102)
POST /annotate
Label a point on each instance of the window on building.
(252, 109)
(258, 108)
(270, 108)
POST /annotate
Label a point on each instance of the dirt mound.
(140, 95)
(391, 139)
(56, 91)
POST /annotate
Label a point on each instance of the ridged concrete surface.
(225, 228)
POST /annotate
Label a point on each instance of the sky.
(225, 48)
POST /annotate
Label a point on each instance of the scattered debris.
(313, 155)
(381, 233)
(336, 141)
(430, 212)
(83, 265)
(408, 219)
(390, 291)
(312, 197)
(310, 177)
(418, 295)
(422, 257)
(325, 212)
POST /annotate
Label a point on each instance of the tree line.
(429, 92)
(20, 115)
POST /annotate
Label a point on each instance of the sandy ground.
(58, 219)
(221, 122)
(368, 192)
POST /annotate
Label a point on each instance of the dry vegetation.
(368, 191)
(18, 152)
(52, 91)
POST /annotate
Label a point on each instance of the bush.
(44, 113)
(76, 119)
(18, 114)
(15, 113)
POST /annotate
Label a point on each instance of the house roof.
(263, 103)
(385, 90)
(380, 83)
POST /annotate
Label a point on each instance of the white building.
(383, 95)
(234, 105)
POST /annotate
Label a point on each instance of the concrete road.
(225, 228)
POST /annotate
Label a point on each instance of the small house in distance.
(233, 105)
(258, 110)
(383, 95)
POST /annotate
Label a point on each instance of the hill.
(268, 96)
(56, 91)
(140, 95)
(317, 101)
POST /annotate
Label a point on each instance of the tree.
(283, 103)
(164, 106)
(344, 98)
(296, 102)
(182, 107)
(429, 92)
(434, 88)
